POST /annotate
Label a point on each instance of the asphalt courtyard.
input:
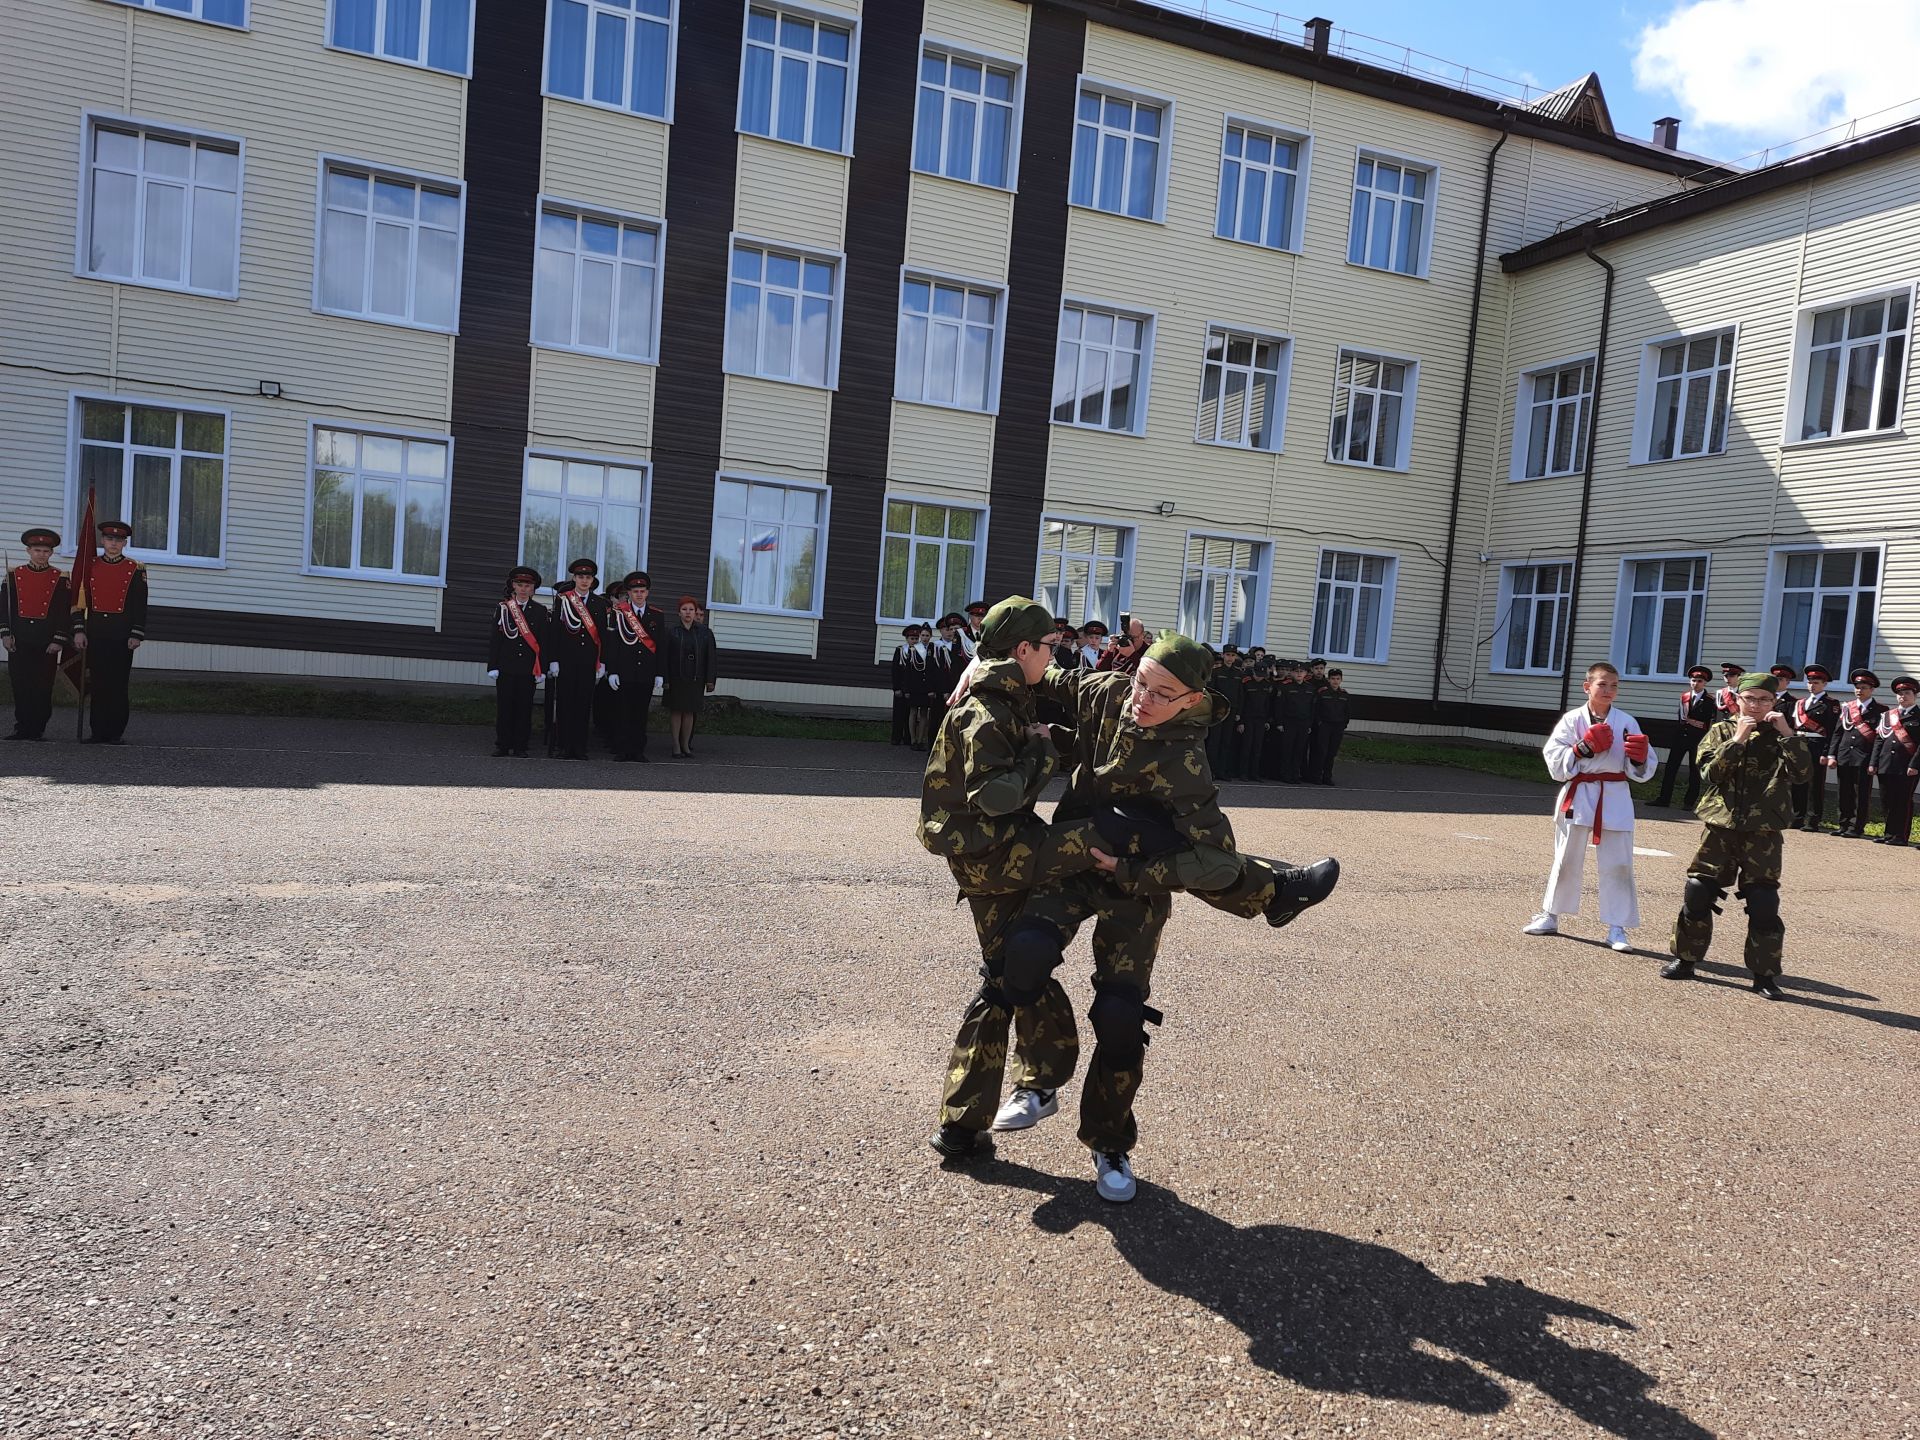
(353, 1083)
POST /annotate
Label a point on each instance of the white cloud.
(1746, 74)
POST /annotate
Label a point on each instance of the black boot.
(1677, 970)
(1301, 887)
(1769, 986)
(956, 1142)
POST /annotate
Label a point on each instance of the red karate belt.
(1588, 777)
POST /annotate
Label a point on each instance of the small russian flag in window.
(768, 541)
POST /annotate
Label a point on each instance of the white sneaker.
(1027, 1108)
(1545, 923)
(1113, 1177)
(1617, 939)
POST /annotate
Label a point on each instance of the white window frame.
(1297, 222)
(1775, 595)
(194, 15)
(1262, 571)
(1803, 347)
(836, 258)
(1423, 267)
(996, 352)
(426, 14)
(403, 176)
(1387, 592)
(624, 462)
(1623, 609)
(1150, 325)
(1650, 377)
(815, 13)
(1129, 544)
(953, 50)
(76, 501)
(1283, 381)
(385, 577)
(978, 506)
(1523, 408)
(1409, 397)
(1503, 617)
(1108, 89)
(581, 210)
(89, 121)
(673, 64)
(825, 492)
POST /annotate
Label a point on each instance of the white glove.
(553, 670)
(599, 672)
(493, 674)
(613, 683)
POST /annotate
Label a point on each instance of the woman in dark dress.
(693, 664)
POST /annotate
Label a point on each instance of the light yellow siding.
(993, 27)
(256, 660)
(790, 193)
(777, 634)
(592, 403)
(941, 452)
(772, 428)
(954, 228)
(598, 157)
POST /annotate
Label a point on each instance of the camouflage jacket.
(985, 771)
(1748, 786)
(1115, 759)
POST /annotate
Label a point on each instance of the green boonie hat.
(1014, 619)
(1189, 661)
(1754, 680)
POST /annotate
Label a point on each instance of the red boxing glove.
(1637, 746)
(1600, 738)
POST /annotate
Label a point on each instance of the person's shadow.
(1342, 1315)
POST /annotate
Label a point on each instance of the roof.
(1580, 103)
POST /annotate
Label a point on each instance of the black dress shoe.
(1300, 888)
(500, 752)
(1677, 970)
(956, 1142)
(1768, 986)
(519, 754)
(1661, 804)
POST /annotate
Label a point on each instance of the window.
(214, 12)
(1555, 417)
(1856, 365)
(389, 247)
(162, 209)
(767, 545)
(1100, 369)
(1353, 605)
(1825, 601)
(967, 120)
(1372, 410)
(379, 505)
(1084, 569)
(1261, 192)
(1221, 589)
(1659, 615)
(575, 506)
(783, 315)
(1119, 153)
(796, 78)
(930, 558)
(162, 470)
(434, 33)
(611, 52)
(1531, 638)
(949, 344)
(1689, 380)
(1243, 389)
(596, 284)
(1392, 203)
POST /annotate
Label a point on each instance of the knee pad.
(1702, 898)
(1120, 1019)
(1033, 950)
(1135, 827)
(1763, 906)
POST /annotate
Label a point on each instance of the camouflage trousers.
(1753, 859)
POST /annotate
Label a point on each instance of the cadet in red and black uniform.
(636, 640)
(1814, 718)
(36, 611)
(1698, 709)
(1727, 697)
(517, 644)
(577, 661)
(1332, 708)
(1897, 760)
(1850, 756)
(110, 623)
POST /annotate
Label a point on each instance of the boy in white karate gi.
(1593, 752)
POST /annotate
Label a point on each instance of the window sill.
(1294, 250)
(1243, 449)
(1330, 658)
(419, 582)
(1426, 274)
(1159, 219)
(1513, 479)
(991, 410)
(794, 144)
(1099, 430)
(1368, 465)
(1677, 459)
(402, 60)
(1626, 679)
(666, 119)
(190, 19)
(138, 284)
(1853, 437)
(715, 605)
(831, 386)
(152, 557)
(650, 361)
(1524, 674)
(389, 321)
(1008, 190)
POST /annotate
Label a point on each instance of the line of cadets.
(43, 623)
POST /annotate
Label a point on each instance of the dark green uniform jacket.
(985, 771)
(1748, 786)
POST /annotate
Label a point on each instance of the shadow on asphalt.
(1351, 1317)
(1803, 992)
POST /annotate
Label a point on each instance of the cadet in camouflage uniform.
(1750, 765)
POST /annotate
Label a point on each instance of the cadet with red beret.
(110, 623)
(36, 613)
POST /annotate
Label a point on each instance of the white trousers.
(1619, 904)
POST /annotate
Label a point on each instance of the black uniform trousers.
(1855, 798)
(1223, 748)
(1296, 743)
(635, 700)
(513, 710)
(1896, 797)
(1810, 797)
(109, 676)
(1687, 749)
(1326, 748)
(30, 669)
(573, 690)
(1253, 744)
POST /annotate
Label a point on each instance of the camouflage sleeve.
(1796, 760)
(1003, 774)
(1718, 757)
(1192, 867)
(1061, 685)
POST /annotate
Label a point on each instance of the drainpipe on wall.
(1586, 476)
(1466, 404)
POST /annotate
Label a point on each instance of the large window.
(1353, 605)
(379, 505)
(1659, 615)
(1221, 588)
(1825, 602)
(389, 247)
(967, 118)
(1531, 638)
(612, 52)
(1685, 387)
(1243, 389)
(1855, 367)
(162, 208)
(1554, 420)
(1119, 153)
(1100, 369)
(1262, 192)
(767, 543)
(596, 284)
(1084, 566)
(1372, 410)
(1392, 214)
(930, 558)
(434, 33)
(576, 506)
(783, 315)
(215, 12)
(796, 78)
(163, 470)
(949, 344)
